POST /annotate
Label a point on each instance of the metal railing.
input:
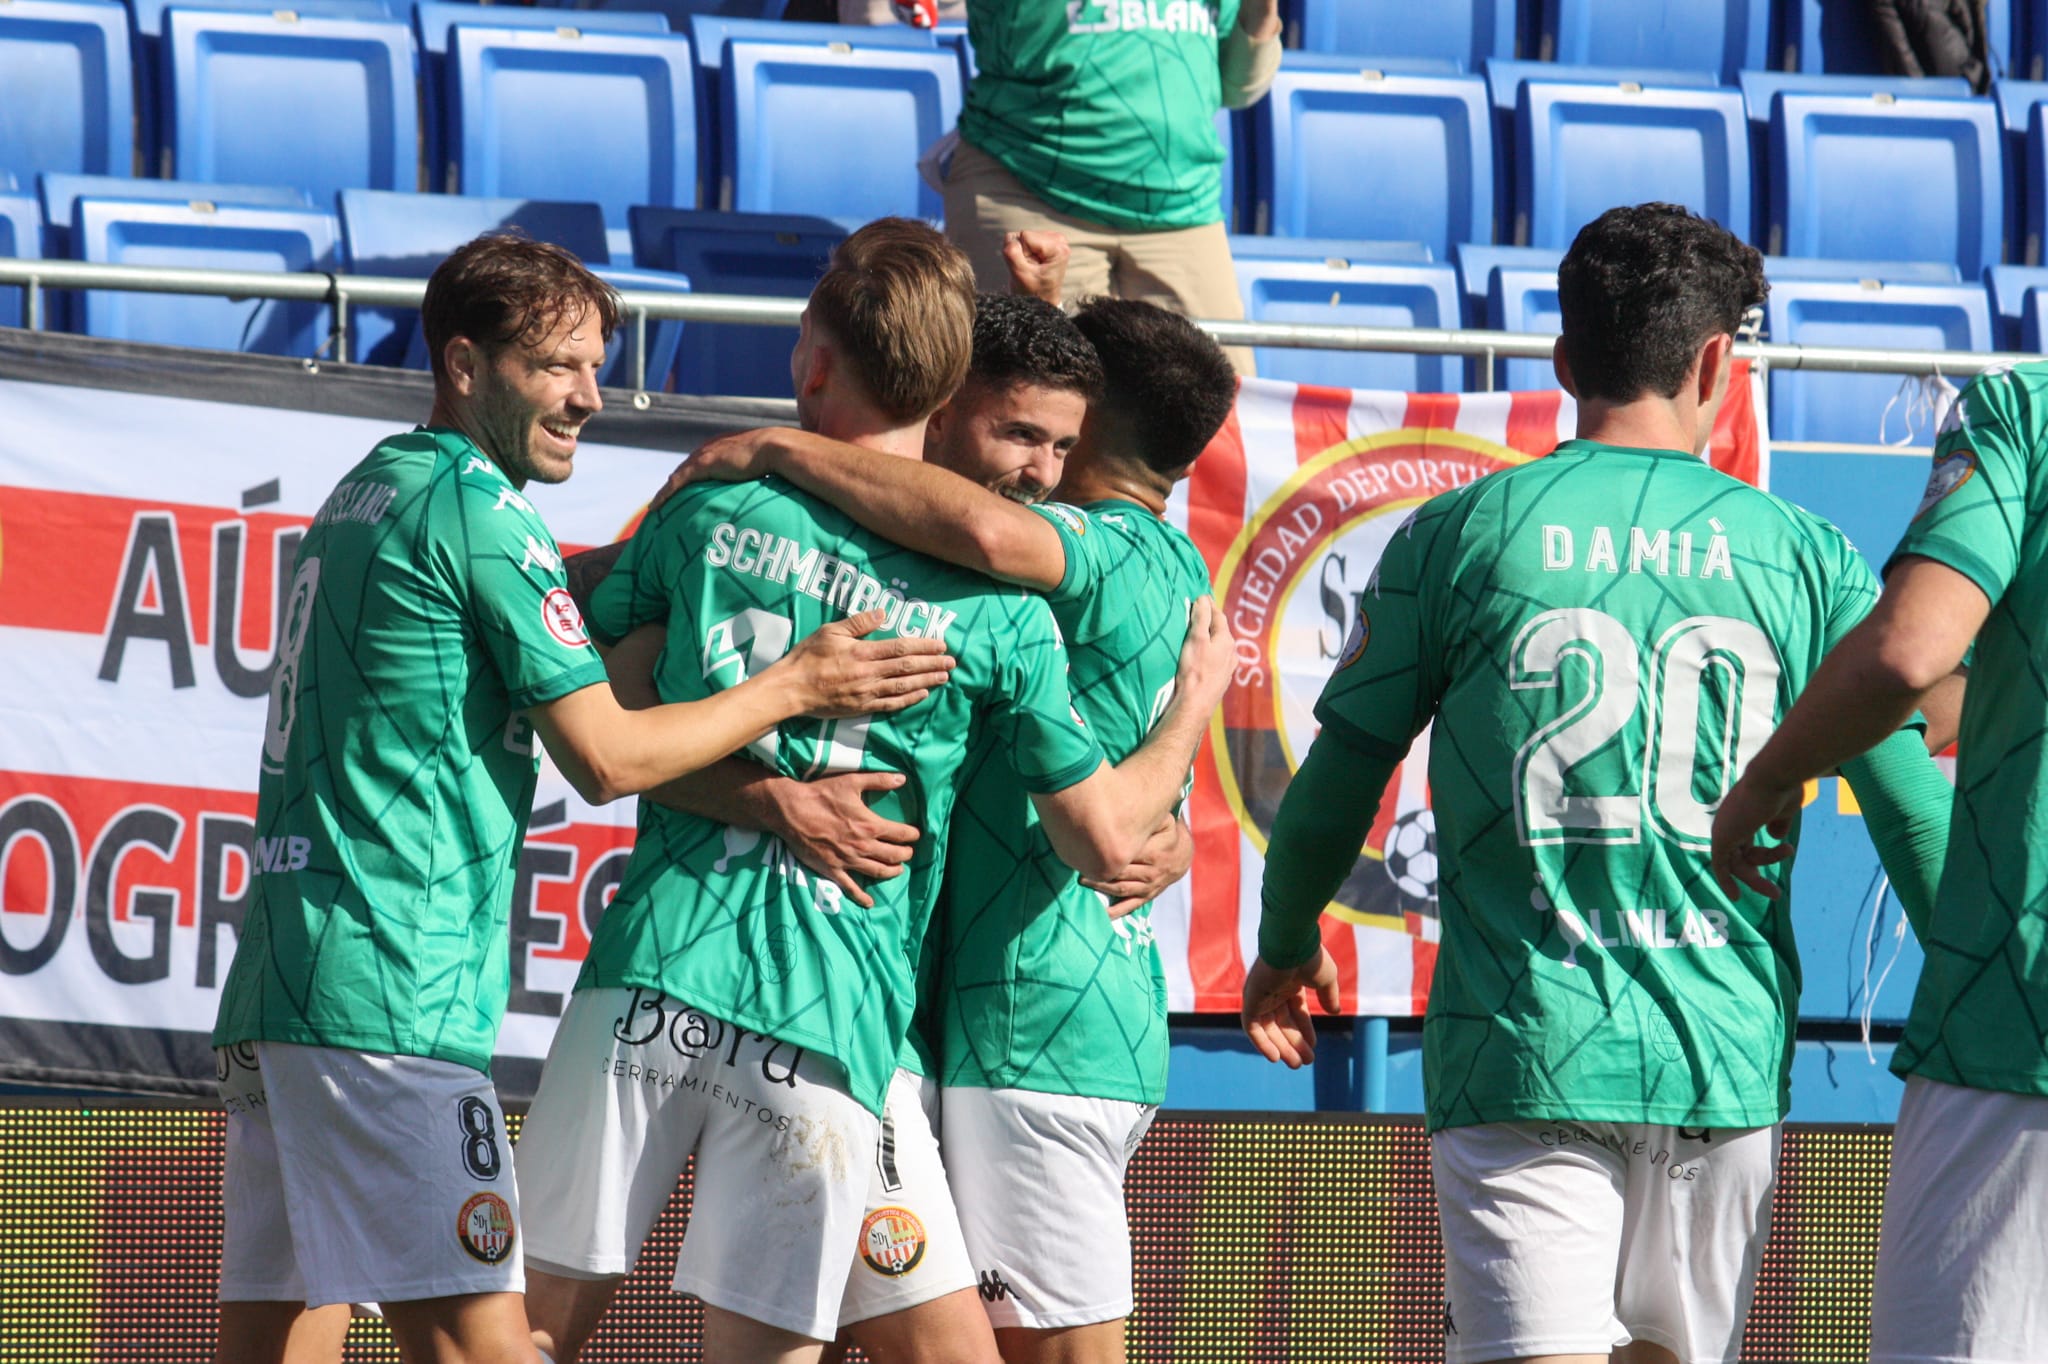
(342, 292)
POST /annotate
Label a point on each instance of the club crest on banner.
(1290, 587)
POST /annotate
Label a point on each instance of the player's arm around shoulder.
(917, 505)
(1098, 824)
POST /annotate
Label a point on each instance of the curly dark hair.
(1167, 387)
(1642, 289)
(1022, 340)
(504, 287)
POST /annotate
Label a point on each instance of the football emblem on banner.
(1290, 587)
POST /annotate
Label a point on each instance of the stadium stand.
(1523, 298)
(2017, 298)
(242, 88)
(954, 37)
(431, 21)
(610, 117)
(663, 340)
(1727, 35)
(1852, 408)
(1581, 149)
(21, 231)
(1466, 33)
(833, 129)
(780, 255)
(1933, 164)
(409, 234)
(1827, 36)
(65, 73)
(155, 232)
(1477, 262)
(1341, 284)
(59, 195)
(1426, 137)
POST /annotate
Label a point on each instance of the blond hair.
(899, 299)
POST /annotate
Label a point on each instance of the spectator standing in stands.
(1098, 119)
(1934, 38)
(1958, 1261)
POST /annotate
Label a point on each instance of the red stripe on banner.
(1342, 944)
(1432, 409)
(1423, 954)
(1736, 446)
(1216, 494)
(1322, 418)
(1532, 421)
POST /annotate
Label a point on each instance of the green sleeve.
(1031, 711)
(1906, 803)
(1973, 514)
(516, 597)
(1323, 822)
(1390, 675)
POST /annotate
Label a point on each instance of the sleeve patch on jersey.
(1951, 471)
(558, 611)
(1354, 645)
(1067, 516)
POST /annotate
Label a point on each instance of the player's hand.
(1207, 657)
(1164, 859)
(1038, 264)
(839, 674)
(740, 457)
(828, 825)
(1752, 805)
(1276, 1013)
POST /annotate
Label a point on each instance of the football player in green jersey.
(1603, 638)
(1960, 1258)
(426, 641)
(733, 1004)
(1036, 976)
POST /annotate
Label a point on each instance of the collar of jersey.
(1596, 447)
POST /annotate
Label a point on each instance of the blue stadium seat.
(1582, 149)
(152, 232)
(1523, 298)
(839, 129)
(604, 116)
(1344, 153)
(736, 253)
(664, 335)
(245, 88)
(955, 37)
(21, 233)
(1728, 35)
(1476, 263)
(679, 13)
(1463, 31)
(431, 20)
(1883, 178)
(1335, 251)
(1883, 271)
(1850, 408)
(65, 87)
(60, 193)
(2018, 293)
(1353, 293)
(1829, 35)
(409, 234)
(2016, 99)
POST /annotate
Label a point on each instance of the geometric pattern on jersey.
(427, 609)
(1980, 1011)
(1040, 989)
(1605, 637)
(1113, 123)
(726, 918)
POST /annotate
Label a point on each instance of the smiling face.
(528, 402)
(1012, 440)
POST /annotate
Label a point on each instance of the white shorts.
(1963, 1257)
(1573, 1238)
(358, 1177)
(634, 1083)
(1039, 1179)
(911, 1250)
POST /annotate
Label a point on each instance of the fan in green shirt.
(1604, 638)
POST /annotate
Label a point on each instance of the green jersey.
(726, 918)
(427, 610)
(1105, 109)
(1977, 1013)
(1605, 638)
(1041, 990)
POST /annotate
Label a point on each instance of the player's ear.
(1563, 366)
(462, 358)
(1716, 360)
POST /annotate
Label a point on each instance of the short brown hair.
(504, 287)
(899, 299)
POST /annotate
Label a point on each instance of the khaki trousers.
(1186, 269)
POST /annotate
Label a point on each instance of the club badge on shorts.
(484, 1226)
(892, 1241)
